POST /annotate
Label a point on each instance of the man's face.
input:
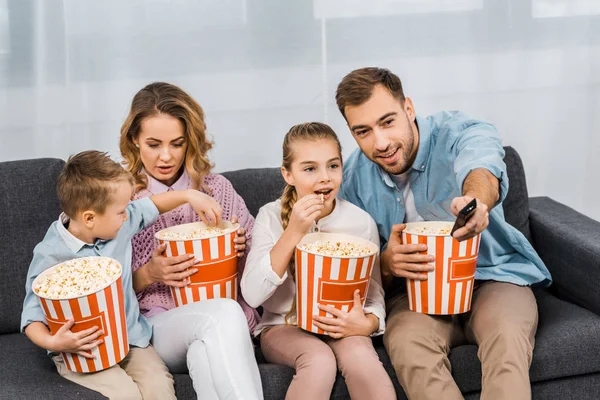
(383, 129)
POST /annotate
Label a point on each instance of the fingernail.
(191, 256)
(430, 258)
(423, 247)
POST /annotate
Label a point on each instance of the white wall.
(68, 71)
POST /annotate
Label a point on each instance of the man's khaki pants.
(502, 322)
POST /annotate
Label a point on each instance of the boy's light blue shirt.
(451, 145)
(60, 245)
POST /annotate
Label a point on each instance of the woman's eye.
(153, 145)
(177, 144)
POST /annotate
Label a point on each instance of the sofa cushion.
(29, 203)
(516, 204)
(566, 345)
(28, 373)
(257, 186)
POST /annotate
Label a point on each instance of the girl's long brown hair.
(164, 98)
(308, 131)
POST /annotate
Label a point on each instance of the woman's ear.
(287, 176)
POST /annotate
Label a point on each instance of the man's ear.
(88, 218)
(287, 176)
(409, 109)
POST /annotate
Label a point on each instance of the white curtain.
(69, 68)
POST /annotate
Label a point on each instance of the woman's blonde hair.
(308, 131)
(163, 98)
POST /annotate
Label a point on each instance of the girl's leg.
(364, 373)
(312, 359)
(221, 325)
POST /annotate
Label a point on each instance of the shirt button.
(398, 199)
(422, 167)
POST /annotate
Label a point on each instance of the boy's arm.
(207, 208)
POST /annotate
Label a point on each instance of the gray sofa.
(566, 362)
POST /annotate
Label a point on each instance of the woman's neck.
(170, 182)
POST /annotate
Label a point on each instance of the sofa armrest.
(569, 244)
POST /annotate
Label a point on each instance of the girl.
(312, 168)
(163, 142)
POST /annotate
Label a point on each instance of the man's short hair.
(87, 181)
(357, 87)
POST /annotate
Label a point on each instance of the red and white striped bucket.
(330, 281)
(449, 288)
(217, 275)
(105, 309)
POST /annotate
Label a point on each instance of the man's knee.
(413, 347)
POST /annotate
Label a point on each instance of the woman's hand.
(305, 212)
(240, 238)
(353, 323)
(207, 208)
(172, 271)
(82, 343)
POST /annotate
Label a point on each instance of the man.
(410, 168)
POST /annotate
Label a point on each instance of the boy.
(98, 219)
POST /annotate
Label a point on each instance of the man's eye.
(361, 132)
(389, 121)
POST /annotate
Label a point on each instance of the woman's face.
(162, 147)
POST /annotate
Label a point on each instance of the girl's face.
(162, 147)
(316, 169)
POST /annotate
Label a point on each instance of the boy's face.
(106, 225)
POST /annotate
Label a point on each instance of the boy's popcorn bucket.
(217, 275)
(105, 308)
(449, 288)
(330, 280)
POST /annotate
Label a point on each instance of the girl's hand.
(304, 213)
(81, 343)
(172, 271)
(353, 323)
(207, 208)
(240, 238)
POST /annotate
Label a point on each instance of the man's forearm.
(483, 185)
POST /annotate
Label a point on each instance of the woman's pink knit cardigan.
(157, 297)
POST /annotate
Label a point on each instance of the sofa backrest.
(259, 186)
(29, 205)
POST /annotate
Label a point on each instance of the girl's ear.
(287, 176)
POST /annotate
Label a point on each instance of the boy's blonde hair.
(87, 181)
(311, 131)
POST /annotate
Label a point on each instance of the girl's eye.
(309, 169)
(334, 166)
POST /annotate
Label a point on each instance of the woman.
(164, 145)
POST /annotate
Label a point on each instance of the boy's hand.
(240, 238)
(207, 208)
(81, 343)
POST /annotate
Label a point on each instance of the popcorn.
(78, 277)
(322, 198)
(429, 230)
(336, 249)
(208, 232)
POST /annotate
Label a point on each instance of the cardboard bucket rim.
(315, 236)
(47, 271)
(226, 225)
(411, 226)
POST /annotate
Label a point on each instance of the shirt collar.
(73, 243)
(157, 187)
(422, 152)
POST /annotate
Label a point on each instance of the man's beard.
(402, 165)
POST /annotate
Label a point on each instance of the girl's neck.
(327, 211)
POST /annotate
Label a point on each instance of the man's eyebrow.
(355, 127)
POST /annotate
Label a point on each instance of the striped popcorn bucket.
(105, 309)
(217, 275)
(330, 281)
(449, 288)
